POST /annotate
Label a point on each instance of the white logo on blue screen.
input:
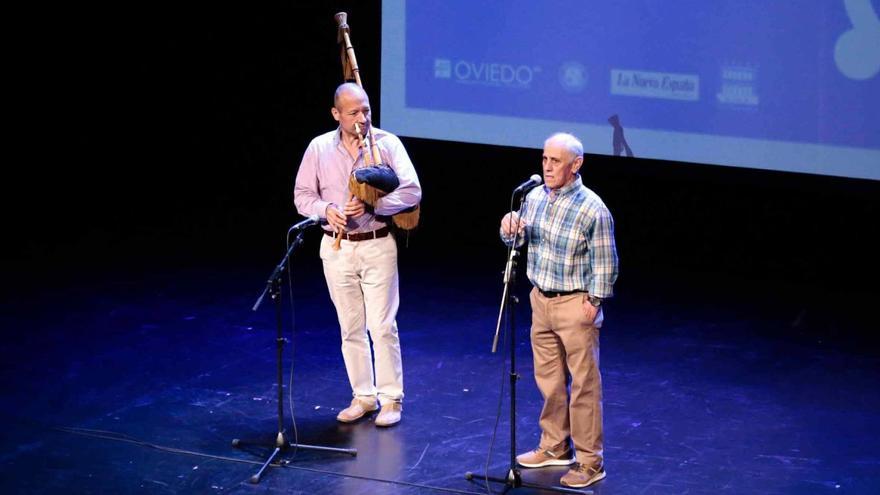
(738, 86)
(442, 68)
(573, 77)
(485, 73)
(661, 85)
(857, 51)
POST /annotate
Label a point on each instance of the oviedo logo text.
(485, 73)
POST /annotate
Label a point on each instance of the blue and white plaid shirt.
(571, 240)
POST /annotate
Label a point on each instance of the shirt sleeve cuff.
(321, 209)
(601, 290)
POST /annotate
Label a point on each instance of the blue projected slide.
(789, 85)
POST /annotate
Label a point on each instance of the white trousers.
(362, 280)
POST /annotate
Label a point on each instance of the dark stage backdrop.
(169, 135)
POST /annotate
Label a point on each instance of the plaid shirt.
(571, 240)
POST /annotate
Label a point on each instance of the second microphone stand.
(509, 300)
(281, 443)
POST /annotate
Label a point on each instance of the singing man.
(572, 264)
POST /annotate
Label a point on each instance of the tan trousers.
(565, 344)
(363, 284)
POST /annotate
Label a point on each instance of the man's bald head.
(351, 108)
(349, 89)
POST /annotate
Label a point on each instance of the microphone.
(308, 222)
(534, 180)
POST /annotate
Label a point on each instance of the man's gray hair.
(573, 144)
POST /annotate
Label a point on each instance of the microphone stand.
(281, 443)
(509, 300)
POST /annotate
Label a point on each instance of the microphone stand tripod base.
(514, 481)
(281, 443)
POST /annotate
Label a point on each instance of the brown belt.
(363, 236)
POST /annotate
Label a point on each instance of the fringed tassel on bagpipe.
(364, 191)
(371, 183)
(407, 219)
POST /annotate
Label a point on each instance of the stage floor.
(138, 382)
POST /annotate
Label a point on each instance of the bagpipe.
(375, 178)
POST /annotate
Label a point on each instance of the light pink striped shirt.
(322, 179)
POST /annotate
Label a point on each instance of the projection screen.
(790, 86)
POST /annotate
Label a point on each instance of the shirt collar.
(337, 143)
(568, 188)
